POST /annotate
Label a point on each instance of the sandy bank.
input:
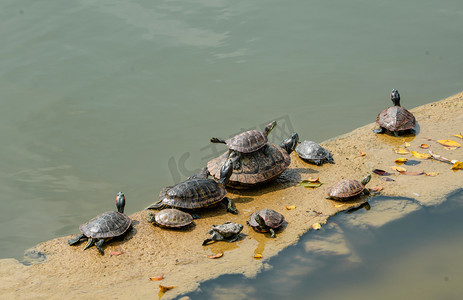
(148, 251)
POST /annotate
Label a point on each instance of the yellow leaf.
(258, 255)
(399, 150)
(218, 255)
(290, 207)
(362, 153)
(448, 143)
(406, 144)
(457, 166)
(165, 288)
(432, 174)
(459, 135)
(312, 179)
(424, 146)
(420, 155)
(398, 169)
(157, 278)
(339, 205)
(316, 226)
(401, 160)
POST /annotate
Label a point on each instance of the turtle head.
(269, 127)
(366, 179)
(225, 172)
(120, 202)
(395, 97)
(260, 221)
(290, 143)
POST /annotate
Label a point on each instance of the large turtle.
(227, 231)
(395, 119)
(246, 142)
(198, 192)
(259, 166)
(347, 189)
(266, 220)
(170, 218)
(104, 226)
(314, 153)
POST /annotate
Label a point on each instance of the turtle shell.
(272, 218)
(396, 118)
(171, 217)
(248, 141)
(255, 168)
(106, 225)
(227, 229)
(193, 193)
(345, 189)
(313, 153)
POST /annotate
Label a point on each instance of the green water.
(105, 96)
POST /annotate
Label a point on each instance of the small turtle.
(314, 153)
(104, 226)
(197, 192)
(246, 142)
(347, 189)
(395, 119)
(227, 231)
(266, 220)
(259, 166)
(171, 218)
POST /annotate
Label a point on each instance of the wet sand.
(148, 251)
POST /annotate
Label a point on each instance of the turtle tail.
(217, 140)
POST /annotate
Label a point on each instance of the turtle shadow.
(243, 199)
(131, 232)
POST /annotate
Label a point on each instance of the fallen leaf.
(448, 143)
(450, 148)
(459, 135)
(308, 184)
(424, 146)
(406, 144)
(165, 288)
(312, 179)
(339, 205)
(398, 169)
(258, 255)
(399, 150)
(116, 253)
(316, 226)
(420, 155)
(381, 172)
(218, 255)
(432, 174)
(157, 278)
(362, 153)
(387, 179)
(401, 160)
(412, 173)
(427, 138)
(376, 188)
(290, 207)
(457, 166)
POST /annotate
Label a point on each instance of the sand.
(149, 251)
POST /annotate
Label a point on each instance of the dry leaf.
(459, 135)
(448, 143)
(316, 226)
(398, 169)
(427, 138)
(165, 288)
(312, 179)
(381, 172)
(401, 160)
(399, 150)
(362, 153)
(157, 278)
(420, 155)
(218, 255)
(376, 188)
(457, 166)
(339, 205)
(290, 207)
(432, 174)
(451, 148)
(116, 253)
(308, 184)
(258, 255)
(424, 146)
(412, 173)
(407, 144)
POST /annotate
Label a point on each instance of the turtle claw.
(99, 245)
(76, 240)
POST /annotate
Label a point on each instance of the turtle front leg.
(236, 159)
(272, 232)
(378, 131)
(230, 205)
(211, 239)
(396, 133)
(99, 245)
(76, 240)
(90, 242)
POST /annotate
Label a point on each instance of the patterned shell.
(106, 225)
(255, 168)
(272, 218)
(193, 193)
(396, 118)
(171, 217)
(313, 152)
(248, 141)
(345, 189)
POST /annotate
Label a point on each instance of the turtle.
(347, 189)
(395, 119)
(104, 226)
(227, 231)
(246, 142)
(266, 220)
(170, 218)
(257, 167)
(314, 153)
(198, 192)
